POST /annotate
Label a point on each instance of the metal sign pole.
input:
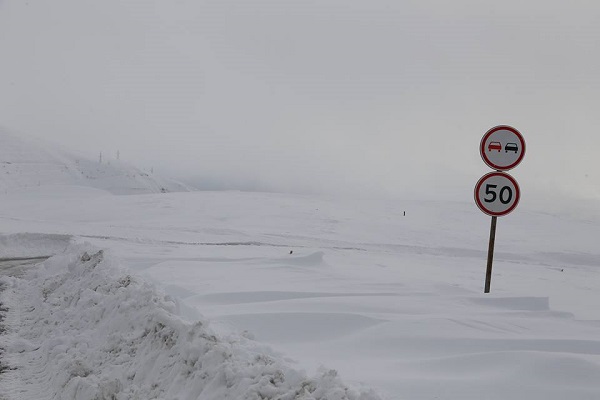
(488, 273)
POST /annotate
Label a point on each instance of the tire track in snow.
(535, 259)
(247, 243)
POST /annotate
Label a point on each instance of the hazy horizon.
(347, 97)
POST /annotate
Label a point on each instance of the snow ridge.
(80, 327)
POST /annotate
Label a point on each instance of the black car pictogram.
(511, 147)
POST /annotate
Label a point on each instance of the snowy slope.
(26, 163)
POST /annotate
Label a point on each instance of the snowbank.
(32, 245)
(80, 327)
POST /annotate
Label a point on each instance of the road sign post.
(490, 260)
(497, 193)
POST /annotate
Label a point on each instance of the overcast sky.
(344, 96)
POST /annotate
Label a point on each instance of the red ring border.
(478, 186)
(482, 147)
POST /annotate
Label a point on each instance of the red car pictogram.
(495, 146)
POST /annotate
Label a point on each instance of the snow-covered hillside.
(27, 163)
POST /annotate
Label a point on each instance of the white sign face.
(497, 194)
(502, 148)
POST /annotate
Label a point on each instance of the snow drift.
(32, 245)
(80, 327)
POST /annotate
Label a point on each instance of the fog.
(384, 98)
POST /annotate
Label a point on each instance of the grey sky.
(389, 97)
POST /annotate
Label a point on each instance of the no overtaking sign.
(502, 148)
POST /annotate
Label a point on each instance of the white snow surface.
(82, 328)
(392, 302)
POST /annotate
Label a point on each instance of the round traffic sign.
(497, 194)
(502, 148)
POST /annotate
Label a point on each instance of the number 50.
(505, 194)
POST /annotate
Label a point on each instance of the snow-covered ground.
(391, 302)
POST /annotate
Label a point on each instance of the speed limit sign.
(497, 194)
